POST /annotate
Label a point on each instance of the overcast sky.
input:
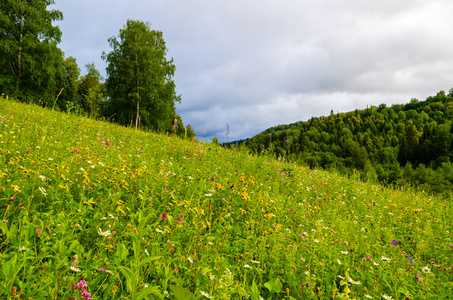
(255, 64)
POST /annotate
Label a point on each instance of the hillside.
(406, 145)
(92, 207)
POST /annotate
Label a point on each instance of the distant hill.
(401, 144)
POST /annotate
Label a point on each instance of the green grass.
(180, 219)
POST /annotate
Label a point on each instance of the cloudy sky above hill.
(259, 63)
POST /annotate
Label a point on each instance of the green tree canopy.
(31, 62)
(91, 91)
(139, 83)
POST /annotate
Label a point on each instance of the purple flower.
(395, 243)
(164, 216)
(411, 260)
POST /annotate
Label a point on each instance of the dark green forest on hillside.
(404, 144)
(139, 90)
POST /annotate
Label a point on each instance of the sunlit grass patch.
(135, 214)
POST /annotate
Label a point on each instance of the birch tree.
(139, 85)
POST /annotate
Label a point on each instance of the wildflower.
(344, 252)
(146, 251)
(43, 191)
(387, 297)
(38, 230)
(395, 243)
(255, 261)
(211, 276)
(426, 270)
(164, 216)
(368, 296)
(247, 267)
(411, 260)
(75, 269)
(190, 259)
(316, 240)
(23, 248)
(302, 259)
(383, 258)
(206, 295)
(102, 269)
(104, 233)
(353, 281)
(338, 261)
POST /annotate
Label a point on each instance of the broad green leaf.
(181, 293)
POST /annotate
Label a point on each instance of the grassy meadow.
(91, 210)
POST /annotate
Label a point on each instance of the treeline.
(139, 89)
(409, 144)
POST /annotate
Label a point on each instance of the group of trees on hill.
(409, 144)
(139, 89)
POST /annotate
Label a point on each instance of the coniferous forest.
(401, 145)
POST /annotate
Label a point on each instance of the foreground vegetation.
(95, 210)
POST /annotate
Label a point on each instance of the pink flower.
(38, 230)
(73, 263)
(101, 269)
(164, 216)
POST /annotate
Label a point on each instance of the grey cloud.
(257, 64)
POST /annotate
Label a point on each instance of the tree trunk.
(19, 64)
(137, 119)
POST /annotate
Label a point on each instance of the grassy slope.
(186, 217)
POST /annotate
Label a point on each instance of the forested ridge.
(401, 144)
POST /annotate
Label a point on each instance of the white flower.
(190, 259)
(160, 231)
(211, 276)
(43, 191)
(23, 248)
(368, 296)
(426, 270)
(383, 258)
(338, 261)
(353, 281)
(316, 240)
(206, 295)
(255, 261)
(75, 269)
(344, 252)
(104, 233)
(208, 195)
(42, 177)
(146, 251)
(247, 266)
(387, 297)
